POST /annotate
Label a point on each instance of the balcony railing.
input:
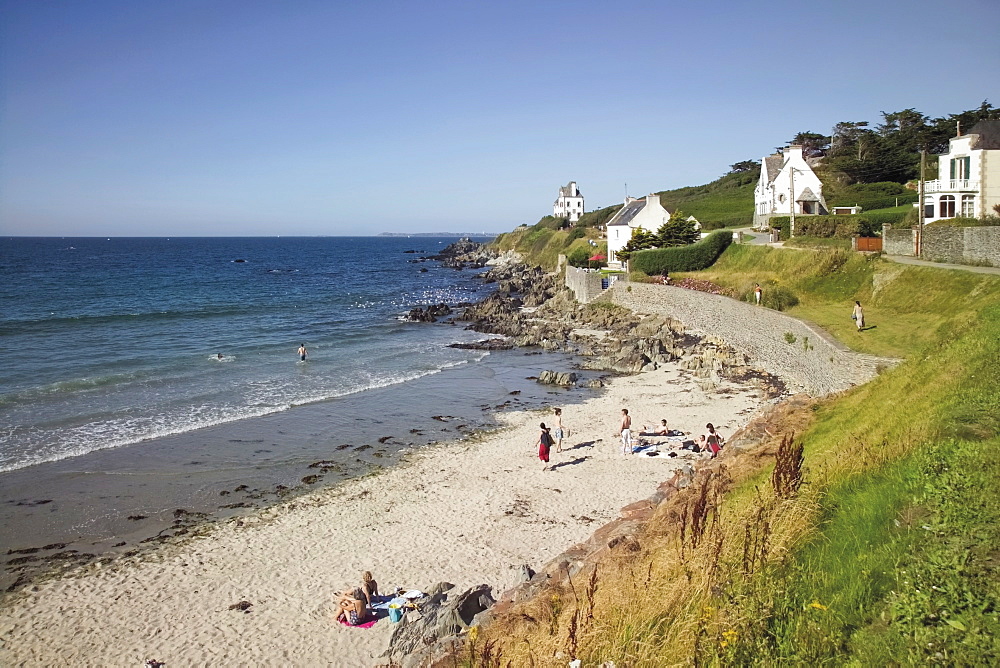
(951, 186)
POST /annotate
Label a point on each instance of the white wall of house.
(773, 195)
(650, 216)
(569, 203)
(968, 182)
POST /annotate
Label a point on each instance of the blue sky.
(183, 117)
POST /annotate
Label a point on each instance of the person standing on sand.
(626, 433)
(544, 444)
(757, 293)
(302, 352)
(560, 432)
(859, 316)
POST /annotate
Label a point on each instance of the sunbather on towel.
(350, 608)
(656, 430)
(369, 589)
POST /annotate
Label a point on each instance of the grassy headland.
(877, 547)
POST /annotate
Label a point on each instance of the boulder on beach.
(562, 378)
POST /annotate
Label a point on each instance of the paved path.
(803, 356)
(906, 259)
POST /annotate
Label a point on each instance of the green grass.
(817, 242)
(908, 308)
(725, 202)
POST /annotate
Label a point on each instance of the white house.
(968, 182)
(646, 213)
(569, 203)
(773, 196)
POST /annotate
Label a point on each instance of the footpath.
(806, 358)
(906, 259)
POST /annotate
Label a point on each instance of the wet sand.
(467, 512)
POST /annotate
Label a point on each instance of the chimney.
(572, 188)
(652, 198)
(794, 152)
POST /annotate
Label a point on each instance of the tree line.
(859, 152)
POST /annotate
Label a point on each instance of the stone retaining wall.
(899, 242)
(961, 245)
(586, 285)
(812, 362)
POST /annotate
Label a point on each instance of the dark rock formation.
(465, 253)
(557, 378)
(485, 344)
(429, 314)
(439, 616)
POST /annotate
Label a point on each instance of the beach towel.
(367, 625)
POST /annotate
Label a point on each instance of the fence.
(868, 244)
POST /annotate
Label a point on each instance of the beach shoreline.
(468, 512)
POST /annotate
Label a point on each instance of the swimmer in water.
(302, 352)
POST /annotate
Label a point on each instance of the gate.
(868, 243)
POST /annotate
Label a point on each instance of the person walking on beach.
(626, 433)
(544, 445)
(302, 352)
(859, 316)
(560, 431)
(757, 293)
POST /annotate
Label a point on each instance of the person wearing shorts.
(558, 433)
(626, 433)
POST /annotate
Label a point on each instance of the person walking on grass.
(560, 432)
(544, 445)
(626, 433)
(757, 293)
(859, 316)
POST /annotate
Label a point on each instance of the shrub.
(694, 257)
(779, 298)
(985, 221)
(575, 233)
(578, 256)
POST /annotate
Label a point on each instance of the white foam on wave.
(96, 436)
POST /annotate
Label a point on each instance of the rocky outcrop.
(425, 633)
(465, 253)
(565, 379)
(429, 314)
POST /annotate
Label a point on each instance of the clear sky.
(251, 117)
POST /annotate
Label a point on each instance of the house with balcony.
(569, 203)
(646, 213)
(968, 183)
(787, 182)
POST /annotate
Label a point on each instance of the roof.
(807, 196)
(566, 191)
(772, 165)
(989, 135)
(627, 213)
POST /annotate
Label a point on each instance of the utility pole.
(791, 199)
(921, 214)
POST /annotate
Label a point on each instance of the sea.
(143, 375)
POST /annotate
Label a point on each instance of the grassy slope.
(727, 201)
(888, 552)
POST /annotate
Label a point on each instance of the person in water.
(302, 352)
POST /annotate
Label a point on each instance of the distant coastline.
(438, 234)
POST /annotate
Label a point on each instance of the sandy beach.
(466, 512)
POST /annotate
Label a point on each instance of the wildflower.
(473, 633)
(819, 606)
(730, 635)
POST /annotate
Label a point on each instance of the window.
(947, 206)
(961, 168)
(968, 206)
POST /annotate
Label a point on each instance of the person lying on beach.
(350, 608)
(660, 430)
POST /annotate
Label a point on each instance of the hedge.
(839, 227)
(694, 257)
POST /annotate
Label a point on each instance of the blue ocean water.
(107, 342)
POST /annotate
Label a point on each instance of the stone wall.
(961, 245)
(811, 362)
(586, 285)
(898, 242)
